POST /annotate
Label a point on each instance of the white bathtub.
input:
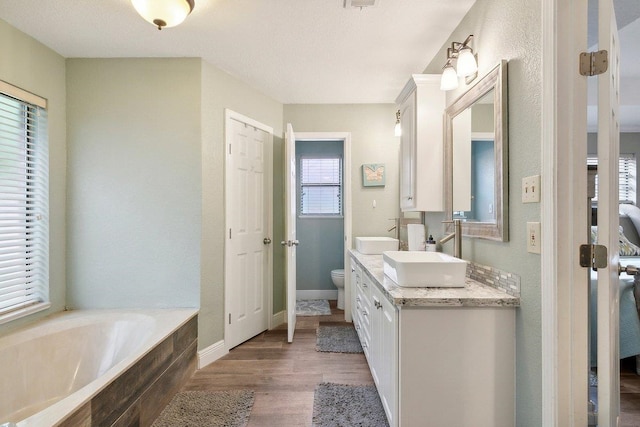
(55, 366)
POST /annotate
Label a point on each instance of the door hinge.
(229, 149)
(229, 233)
(593, 256)
(594, 63)
(229, 318)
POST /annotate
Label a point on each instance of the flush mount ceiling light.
(164, 13)
(398, 127)
(466, 64)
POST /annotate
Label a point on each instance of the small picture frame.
(373, 175)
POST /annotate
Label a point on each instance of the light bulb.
(163, 13)
(449, 79)
(467, 64)
(398, 128)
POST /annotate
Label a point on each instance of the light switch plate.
(531, 189)
(533, 237)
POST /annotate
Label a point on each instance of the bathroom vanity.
(438, 356)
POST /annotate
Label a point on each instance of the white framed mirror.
(476, 158)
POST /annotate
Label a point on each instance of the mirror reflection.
(476, 158)
(474, 162)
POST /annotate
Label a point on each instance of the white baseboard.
(211, 354)
(317, 294)
(278, 319)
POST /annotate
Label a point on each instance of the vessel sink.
(417, 269)
(376, 245)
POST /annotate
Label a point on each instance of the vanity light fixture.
(164, 13)
(398, 129)
(466, 64)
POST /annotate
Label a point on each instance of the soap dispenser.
(430, 244)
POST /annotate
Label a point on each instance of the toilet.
(337, 276)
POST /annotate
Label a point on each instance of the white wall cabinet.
(422, 105)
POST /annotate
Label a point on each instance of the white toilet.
(337, 276)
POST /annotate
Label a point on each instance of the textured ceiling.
(296, 51)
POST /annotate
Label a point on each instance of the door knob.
(266, 241)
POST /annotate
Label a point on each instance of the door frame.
(268, 174)
(345, 137)
(564, 284)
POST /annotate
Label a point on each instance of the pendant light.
(164, 13)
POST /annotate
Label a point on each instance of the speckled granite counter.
(474, 294)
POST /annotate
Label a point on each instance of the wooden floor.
(283, 376)
(629, 394)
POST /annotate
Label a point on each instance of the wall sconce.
(466, 64)
(398, 128)
(164, 13)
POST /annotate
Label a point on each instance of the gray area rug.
(337, 339)
(312, 307)
(337, 405)
(207, 408)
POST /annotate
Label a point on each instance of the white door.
(608, 283)
(248, 231)
(290, 242)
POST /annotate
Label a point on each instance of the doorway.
(320, 218)
(323, 232)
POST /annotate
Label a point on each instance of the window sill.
(22, 312)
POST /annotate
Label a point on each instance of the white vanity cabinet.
(421, 105)
(441, 357)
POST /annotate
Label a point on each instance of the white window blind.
(626, 177)
(320, 186)
(24, 205)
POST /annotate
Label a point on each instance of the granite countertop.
(474, 294)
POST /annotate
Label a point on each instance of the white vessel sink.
(376, 245)
(417, 269)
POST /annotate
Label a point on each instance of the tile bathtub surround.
(474, 294)
(490, 276)
(138, 396)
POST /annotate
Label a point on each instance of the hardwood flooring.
(629, 394)
(283, 375)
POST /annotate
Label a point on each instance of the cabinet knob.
(364, 313)
(409, 198)
(353, 269)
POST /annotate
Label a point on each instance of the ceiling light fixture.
(164, 13)
(398, 128)
(466, 64)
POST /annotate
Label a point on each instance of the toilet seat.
(338, 273)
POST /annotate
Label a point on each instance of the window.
(320, 186)
(626, 177)
(24, 203)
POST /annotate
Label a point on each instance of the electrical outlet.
(531, 189)
(533, 237)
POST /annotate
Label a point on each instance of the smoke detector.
(360, 4)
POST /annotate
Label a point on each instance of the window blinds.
(626, 177)
(320, 186)
(24, 205)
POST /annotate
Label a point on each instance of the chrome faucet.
(396, 227)
(456, 235)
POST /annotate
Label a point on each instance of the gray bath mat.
(312, 307)
(207, 408)
(337, 339)
(337, 405)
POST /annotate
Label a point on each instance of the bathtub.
(94, 367)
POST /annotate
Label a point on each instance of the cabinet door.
(388, 360)
(408, 153)
(375, 360)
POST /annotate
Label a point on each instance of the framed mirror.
(476, 158)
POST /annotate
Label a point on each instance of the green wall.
(504, 29)
(28, 64)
